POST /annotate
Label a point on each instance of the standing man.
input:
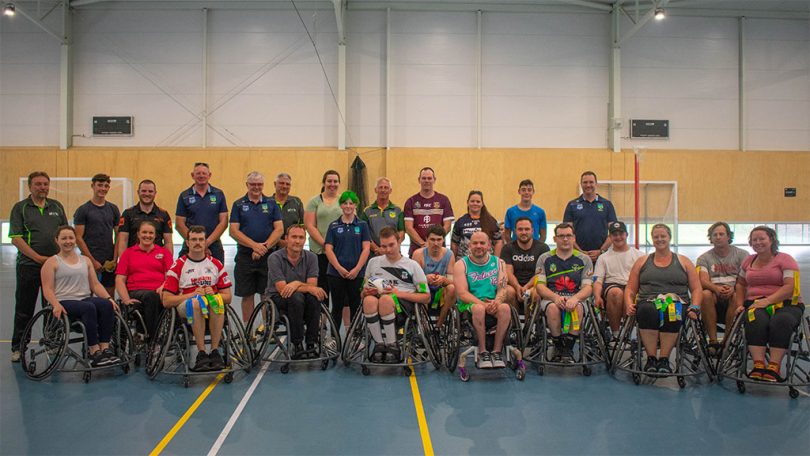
(291, 207)
(382, 213)
(33, 224)
(521, 259)
(256, 226)
(590, 215)
(425, 209)
(96, 223)
(611, 274)
(146, 209)
(718, 269)
(525, 208)
(203, 204)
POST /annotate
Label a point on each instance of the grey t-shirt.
(722, 270)
(279, 269)
(99, 222)
(404, 274)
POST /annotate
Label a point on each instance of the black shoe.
(215, 361)
(312, 351)
(557, 350)
(652, 364)
(97, 359)
(392, 354)
(298, 351)
(111, 358)
(201, 363)
(663, 366)
(378, 354)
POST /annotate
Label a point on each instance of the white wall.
(544, 79)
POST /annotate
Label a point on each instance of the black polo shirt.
(292, 211)
(131, 220)
(37, 227)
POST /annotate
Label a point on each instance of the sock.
(389, 328)
(373, 325)
(615, 334)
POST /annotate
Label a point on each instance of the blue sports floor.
(340, 411)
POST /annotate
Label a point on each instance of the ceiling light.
(660, 14)
(9, 10)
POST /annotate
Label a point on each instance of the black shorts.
(406, 306)
(608, 287)
(721, 306)
(250, 277)
(107, 279)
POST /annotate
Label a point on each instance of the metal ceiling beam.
(641, 22)
(340, 17)
(39, 24)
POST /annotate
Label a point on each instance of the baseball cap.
(617, 227)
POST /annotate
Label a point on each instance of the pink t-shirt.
(764, 281)
(144, 270)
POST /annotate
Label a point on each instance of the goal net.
(72, 192)
(657, 203)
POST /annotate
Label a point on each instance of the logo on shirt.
(245, 208)
(579, 207)
(552, 268)
(55, 214)
(265, 209)
(392, 215)
(213, 199)
(357, 230)
(600, 207)
(340, 230)
(192, 200)
(436, 205)
(417, 205)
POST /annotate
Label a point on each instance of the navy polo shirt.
(202, 210)
(590, 220)
(347, 242)
(255, 219)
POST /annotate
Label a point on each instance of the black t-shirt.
(98, 222)
(523, 261)
(132, 218)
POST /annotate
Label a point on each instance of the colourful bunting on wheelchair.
(396, 303)
(669, 308)
(437, 299)
(570, 320)
(216, 303)
(770, 309)
(190, 308)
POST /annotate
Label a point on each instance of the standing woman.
(476, 219)
(662, 272)
(68, 283)
(322, 210)
(140, 275)
(768, 278)
(348, 243)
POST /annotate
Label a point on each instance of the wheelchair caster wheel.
(86, 377)
(637, 379)
(407, 371)
(681, 382)
(520, 374)
(137, 360)
(346, 364)
(125, 368)
(741, 387)
(794, 393)
(463, 375)
(185, 382)
(586, 371)
(324, 364)
(285, 368)
(365, 370)
(32, 367)
(228, 377)
(540, 370)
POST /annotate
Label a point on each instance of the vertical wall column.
(741, 83)
(341, 96)
(204, 116)
(388, 140)
(614, 123)
(66, 80)
(479, 79)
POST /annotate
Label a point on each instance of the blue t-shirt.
(202, 210)
(535, 213)
(347, 242)
(255, 219)
(590, 221)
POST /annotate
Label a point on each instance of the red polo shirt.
(144, 270)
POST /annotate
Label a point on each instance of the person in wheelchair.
(520, 257)
(68, 284)
(437, 261)
(292, 283)
(482, 288)
(393, 283)
(668, 274)
(199, 288)
(140, 274)
(564, 277)
(767, 290)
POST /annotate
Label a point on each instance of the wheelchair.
(691, 353)
(58, 344)
(171, 349)
(590, 341)
(417, 339)
(460, 341)
(267, 331)
(735, 362)
(137, 327)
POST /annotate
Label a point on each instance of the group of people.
(354, 262)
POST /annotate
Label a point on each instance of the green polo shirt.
(378, 218)
(37, 227)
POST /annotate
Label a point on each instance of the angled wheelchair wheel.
(45, 340)
(122, 343)
(331, 345)
(240, 351)
(157, 350)
(353, 344)
(452, 343)
(428, 334)
(260, 329)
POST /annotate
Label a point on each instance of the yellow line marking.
(177, 426)
(5, 341)
(420, 414)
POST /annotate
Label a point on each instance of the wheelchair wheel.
(331, 345)
(515, 333)
(122, 343)
(353, 343)
(160, 343)
(260, 329)
(452, 325)
(45, 340)
(428, 335)
(240, 353)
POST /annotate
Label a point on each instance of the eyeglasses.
(564, 236)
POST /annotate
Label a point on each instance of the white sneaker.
(484, 360)
(15, 356)
(497, 360)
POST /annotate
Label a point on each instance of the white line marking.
(239, 408)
